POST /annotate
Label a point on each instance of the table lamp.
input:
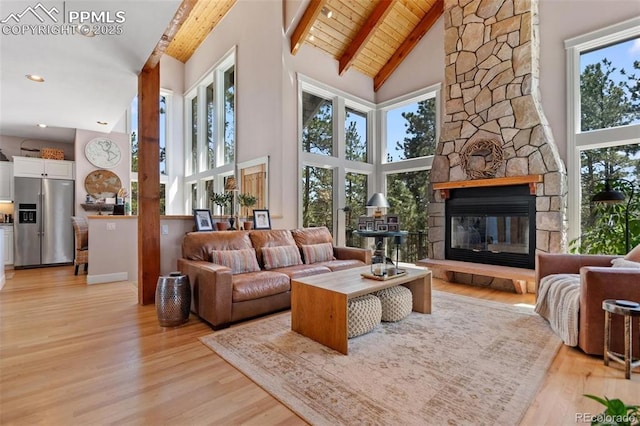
(232, 185)
(379, 201)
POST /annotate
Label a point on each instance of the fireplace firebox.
(492, 225)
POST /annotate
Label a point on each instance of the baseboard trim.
(107, 278)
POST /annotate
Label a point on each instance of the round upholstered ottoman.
(363, 314)
(397, 303)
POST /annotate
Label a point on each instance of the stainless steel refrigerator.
(42, 222)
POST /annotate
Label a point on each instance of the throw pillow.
(624, 263)
(239, 261)
(634, 254)
(317, 253)
(280, 257)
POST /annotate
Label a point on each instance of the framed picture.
(393, 227)
(203, 219)
(377, 223)
(369, 225)
(261, 219)
(362, 227)
(364, 219)
(382, 227)
(392, 219)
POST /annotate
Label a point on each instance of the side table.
(173, 299)
(628, 310)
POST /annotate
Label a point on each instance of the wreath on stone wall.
(492, 158)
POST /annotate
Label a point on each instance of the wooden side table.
(628, 310)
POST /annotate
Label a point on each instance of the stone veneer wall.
(491, 92)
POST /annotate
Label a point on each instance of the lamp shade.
(608, 195)
(378, 200)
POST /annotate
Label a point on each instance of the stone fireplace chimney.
(493, 125)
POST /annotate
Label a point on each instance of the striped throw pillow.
(239, 261)
(280, 256)
(317, 253)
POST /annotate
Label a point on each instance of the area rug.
(470, 362)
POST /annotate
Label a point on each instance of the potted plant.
(222, 199)
(617, 412)
(247, 201)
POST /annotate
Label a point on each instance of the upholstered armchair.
(81, 232)
(598, 277)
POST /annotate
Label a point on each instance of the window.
(335, 146)
(317, 202)
(604, 124)
(212, 138)
(411, 130)
(356, 135)
(317, 124)
(164, 173)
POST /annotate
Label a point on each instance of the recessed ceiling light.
(327, 12)
(102, 123)
(34, 77)
(311, 37)
(42, 125)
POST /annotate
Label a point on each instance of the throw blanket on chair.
(559, 303)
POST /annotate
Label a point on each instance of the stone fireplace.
(494, 132)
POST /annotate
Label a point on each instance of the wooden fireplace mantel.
(531, 180)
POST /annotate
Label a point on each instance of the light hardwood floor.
(72, 354)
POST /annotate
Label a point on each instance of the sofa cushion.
(299, 271)
(280, 257)
(624, 263)
(634, 254)
(340, 265)
(270, 238)
(254, 285)
(308, 236)
(239, 261)
(314, 253)
(198, 245)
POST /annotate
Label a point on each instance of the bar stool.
(628, 310)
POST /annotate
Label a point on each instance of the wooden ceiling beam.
(364, 34)
(306, 22)
(170, 32)
(409, 43)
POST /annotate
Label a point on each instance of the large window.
(335, 147)
(212, 144)
(604, 144)
(410, 127)
(164, 174)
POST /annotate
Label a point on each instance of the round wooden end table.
(629, 310)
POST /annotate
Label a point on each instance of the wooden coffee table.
(319, 302)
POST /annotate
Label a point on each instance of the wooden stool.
(628, 310)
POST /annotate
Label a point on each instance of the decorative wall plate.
(102, 184)
(103, 153)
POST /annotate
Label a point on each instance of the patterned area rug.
(470, 362)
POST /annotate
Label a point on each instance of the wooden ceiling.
(372, 36)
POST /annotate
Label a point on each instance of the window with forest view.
(355, 188)
(317, 119)
(162, 142)
(356, 135)
(411, 130)
(212, 138)
(609, 100)
(317, 198)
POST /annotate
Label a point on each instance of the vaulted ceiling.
(372, 36)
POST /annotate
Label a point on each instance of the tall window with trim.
(335, 147)
(211, 116)
(411, 136)
(606, 146)
(164, 175)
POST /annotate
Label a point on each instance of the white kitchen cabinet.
(41, 168)
(8, 245)
(6, 181)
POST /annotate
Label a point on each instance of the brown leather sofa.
(221, 297)
(598, 281)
